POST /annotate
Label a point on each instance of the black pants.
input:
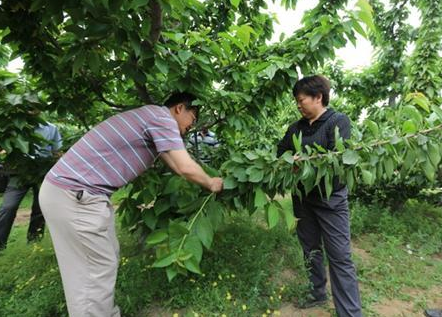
(325, 223)
(11, 201)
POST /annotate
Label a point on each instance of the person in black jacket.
(323, 222)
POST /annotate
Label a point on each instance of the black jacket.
(321, 132)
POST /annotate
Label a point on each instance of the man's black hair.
(313, 86)
(182, 97)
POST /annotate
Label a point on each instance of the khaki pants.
(86, 246)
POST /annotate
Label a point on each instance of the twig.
(376, 144)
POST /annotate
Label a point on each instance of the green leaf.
(243, 33)
(36, 5)
(272, 215)
(367, 177)
(315, 39)
(94, 62)
(288, 157)
(139, 3)
(204, 231)
(366, 13)
(409, 127)
(157, 237)
(350, 180)
(240, 174)
(192, 265)
(365, 6)
(149, 218)
(235, 3)
(289, 218)
(171, 272)
(270, 71)
(434, 154)
(161, 205)
(297, 142)
(395, 140)
(78, 62)
(162, 66)
(260, 198)
(350, 157)
(229, 182)
(184, 55)
(165, 260)
(429, 170)
(437, 110)
(419, 99)
(256, 175)
(359, 28)
(22, 144)
(173, 185)
(251, 156)
(328, 185)
(389, 167)
(339, 142)
(373, 127)
(410, 160)
(193, 246)
(177, 230)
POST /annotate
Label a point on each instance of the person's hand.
(216, 184)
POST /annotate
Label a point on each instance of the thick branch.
(156, 21)
(155, 31)
(97, 89)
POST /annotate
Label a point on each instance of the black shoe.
(312, 302)
(33, 238)
(433, 312)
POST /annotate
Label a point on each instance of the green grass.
(248, 267)
(243, 268)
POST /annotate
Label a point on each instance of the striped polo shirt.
(117, 150)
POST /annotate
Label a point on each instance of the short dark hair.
(182, 97)
(313, 86)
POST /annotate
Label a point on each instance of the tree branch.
(155, 31)
(156, 21)
(375, 144)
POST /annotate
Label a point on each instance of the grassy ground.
(251, 271)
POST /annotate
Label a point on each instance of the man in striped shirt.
(74, 196)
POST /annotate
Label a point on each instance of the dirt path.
(23, 215)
